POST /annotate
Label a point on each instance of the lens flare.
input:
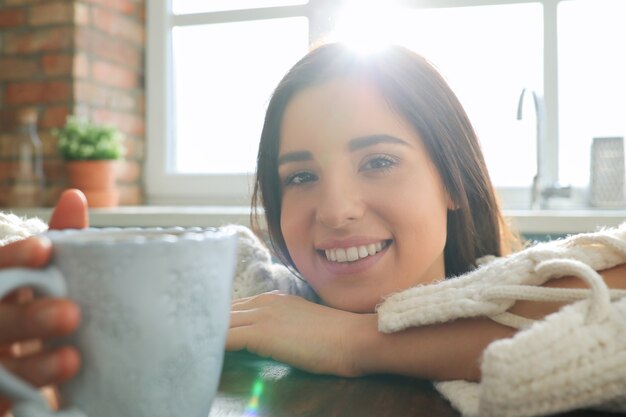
(253, 404)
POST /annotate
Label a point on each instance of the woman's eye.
(379, 162)
(299, 178)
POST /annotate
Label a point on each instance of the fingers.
(45, 368)
(42, 318)
(71, 211)
(259, 299)
(237, 338)
(33, 252)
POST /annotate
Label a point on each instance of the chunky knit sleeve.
(257, 273)
(13, 228)
(574, 358)
(494, 287)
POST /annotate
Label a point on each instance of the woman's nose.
(339, 205)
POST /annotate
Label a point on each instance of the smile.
(355, 253)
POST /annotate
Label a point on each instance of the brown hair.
(415, 90)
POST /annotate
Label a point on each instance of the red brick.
(81, 14)
(54, 170)
(103, 96)
(17, 68)
(54, 116)
(40, 40)
(6, 168)
(21, 2)
(51, 13)
(114, 75)
(128, 171)
(117, 25)
(4, 193)
(134, 148)
(57, 64)
(49, 142)
(126, 7)
(129, 124)
(114, 50)
(7, 120)
(80, 66)
(123, 100)
(86, 92)
(4, 141)
(11, 18)
(131, 195)
(141, 103)
(35, 92)
(54, 191)
(141, 15)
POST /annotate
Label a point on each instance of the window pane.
(592, 80)
(224, 75)
(204, 6)
(488, 54)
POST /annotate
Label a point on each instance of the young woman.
(372, 182)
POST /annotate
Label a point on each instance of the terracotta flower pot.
(96, 179)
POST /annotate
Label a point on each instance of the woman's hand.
(43, 318)
(290, 329)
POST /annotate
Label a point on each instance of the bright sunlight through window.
(487, 72)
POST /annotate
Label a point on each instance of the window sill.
(524, 221)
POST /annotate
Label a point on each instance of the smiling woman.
(375, 193)
(364, 167)
(379, 128)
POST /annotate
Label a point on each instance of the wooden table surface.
(254, 386)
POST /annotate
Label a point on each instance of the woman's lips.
(354, 253)
(361, 264)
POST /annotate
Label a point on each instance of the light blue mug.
(155, 306)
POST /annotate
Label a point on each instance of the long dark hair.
(415, 90)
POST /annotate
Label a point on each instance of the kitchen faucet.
(540, 193)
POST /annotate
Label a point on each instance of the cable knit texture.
(574, 358)
(257, 273)
(14, 228)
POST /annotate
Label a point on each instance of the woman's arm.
(321, 339)
(452, 350)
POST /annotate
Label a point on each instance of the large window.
(212, 66)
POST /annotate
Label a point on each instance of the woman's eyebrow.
(370, 140)
(295, 157)
(353, 145)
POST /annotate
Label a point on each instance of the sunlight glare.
(366, 25)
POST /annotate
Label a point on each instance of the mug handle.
(28, 402)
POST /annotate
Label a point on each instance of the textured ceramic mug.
(155, 307)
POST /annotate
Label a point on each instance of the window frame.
(163, 187)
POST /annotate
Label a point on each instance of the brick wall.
(83, 57)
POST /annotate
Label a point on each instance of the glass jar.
(26, 177)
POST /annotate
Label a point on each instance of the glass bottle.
(26, 178)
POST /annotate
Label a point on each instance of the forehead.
(336, 111)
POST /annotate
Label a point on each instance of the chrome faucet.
(540, 192)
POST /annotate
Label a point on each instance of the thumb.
(70, 211)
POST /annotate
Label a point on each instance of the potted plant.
(90, 152)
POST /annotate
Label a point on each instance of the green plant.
(82, 140)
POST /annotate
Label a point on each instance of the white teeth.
(353, 253)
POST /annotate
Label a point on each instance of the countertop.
(524, 221)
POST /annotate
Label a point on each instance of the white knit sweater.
(574, 358)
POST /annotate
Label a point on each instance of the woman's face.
(363, 207)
